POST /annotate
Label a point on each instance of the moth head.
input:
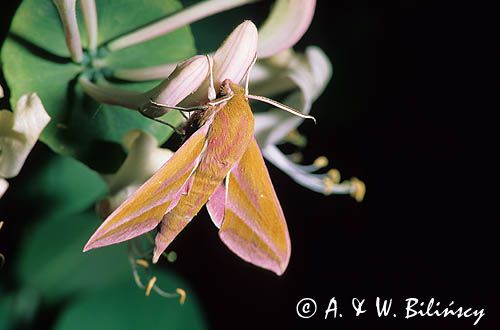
(226, 88)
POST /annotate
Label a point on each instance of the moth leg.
(177, 130)
(220, 100)
(182, 109)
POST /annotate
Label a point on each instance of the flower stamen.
(295, 138)
(182, 295)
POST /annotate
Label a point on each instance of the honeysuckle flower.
(19, 131)
(307, 74)
(184, 80)
(67, 13)
(232, 60)
(285, 25)
(144, 158)
(189, 81)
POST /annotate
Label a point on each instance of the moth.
(220, 165)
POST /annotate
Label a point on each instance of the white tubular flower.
(309, 74)
(143, 160)
(188, 81)
(186, 16)
(232, 59)
(183, 81)
(285, 25)
(19, 131)
(67, 13)
(89, 12)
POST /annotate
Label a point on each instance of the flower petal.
(184, 80)
(3, 186)
(143, 160)
(285, 25)
(19, 131)
(232, 60)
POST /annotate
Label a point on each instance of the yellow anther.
(328, 185)
(296, 157)
(334, 175)
(182, 295)
(295, 138)
(320, 162)
(282, 59)
(359, 189)
(142, 262)
(151, 284)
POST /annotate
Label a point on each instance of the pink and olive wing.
(143, 210)
(253, 225)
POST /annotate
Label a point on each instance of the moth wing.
(252, 225)
(144, 209)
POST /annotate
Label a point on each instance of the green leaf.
(35, 59)
(58, 186)
(126, 307)
(51, 261)
(5, 311)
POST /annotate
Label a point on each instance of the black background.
(405, 112)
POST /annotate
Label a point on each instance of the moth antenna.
(280, 106)
(247, 74)
(212, 95)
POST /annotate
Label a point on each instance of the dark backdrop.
(401, 115)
